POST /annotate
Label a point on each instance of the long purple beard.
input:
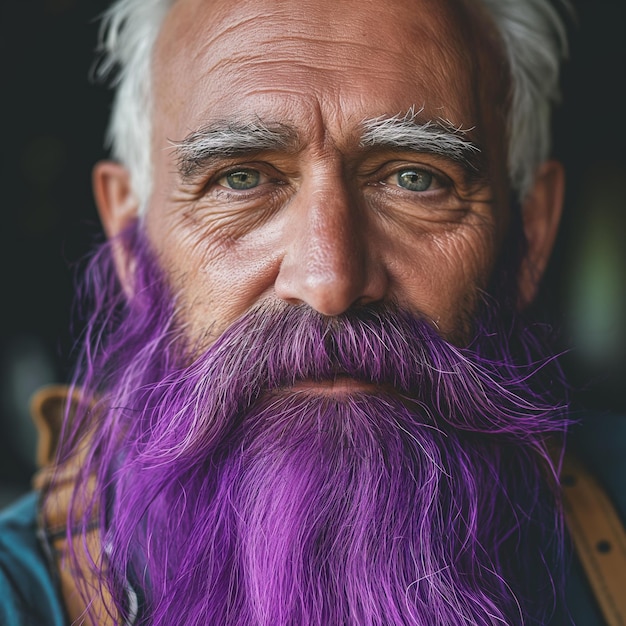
(227, 497)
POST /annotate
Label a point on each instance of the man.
(307, 395)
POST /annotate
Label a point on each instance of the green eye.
(414, 179)
(241, 180)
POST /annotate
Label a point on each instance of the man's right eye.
(241, 180)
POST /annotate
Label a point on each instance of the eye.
(241, 180)
(413, 179)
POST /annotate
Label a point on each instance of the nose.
(331, 261)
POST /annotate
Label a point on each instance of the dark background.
(53, 121)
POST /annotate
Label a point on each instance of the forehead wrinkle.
(227, 35)
(308, 54)
(227, 30)
(307, 61)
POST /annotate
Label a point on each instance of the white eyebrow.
(439, 137)
(221, 140)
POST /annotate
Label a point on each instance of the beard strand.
(228, 497)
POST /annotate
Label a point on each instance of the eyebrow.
(220, 140)
(439, 137)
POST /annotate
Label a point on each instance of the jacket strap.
(49, 406)
(599, 538)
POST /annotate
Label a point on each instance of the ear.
(116, 202)
(541, 214)
(117, 206)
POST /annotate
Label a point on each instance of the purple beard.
(226, 497)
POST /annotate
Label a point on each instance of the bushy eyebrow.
(438, 137)
(220, 140)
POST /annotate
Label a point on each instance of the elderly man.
(307, 394)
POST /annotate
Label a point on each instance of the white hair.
(535, 42)
(532, 31)
(127, 36)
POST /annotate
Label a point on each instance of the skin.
(330, 224)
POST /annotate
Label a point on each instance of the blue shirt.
(28, 594)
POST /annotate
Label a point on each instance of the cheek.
(442, 276)
(215, 278)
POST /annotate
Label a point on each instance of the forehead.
(334, 61)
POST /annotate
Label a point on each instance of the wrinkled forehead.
(381, 56)
(372, 25)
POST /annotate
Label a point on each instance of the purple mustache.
(275, 346)
(231, 494)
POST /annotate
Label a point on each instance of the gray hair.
(127, 36)
(532, 31)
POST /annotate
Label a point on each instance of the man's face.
(284, 187)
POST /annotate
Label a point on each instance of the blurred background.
(54, 121)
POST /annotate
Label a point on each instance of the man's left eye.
(413, 179)
(241, 180)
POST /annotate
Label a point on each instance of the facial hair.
(231, 490)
